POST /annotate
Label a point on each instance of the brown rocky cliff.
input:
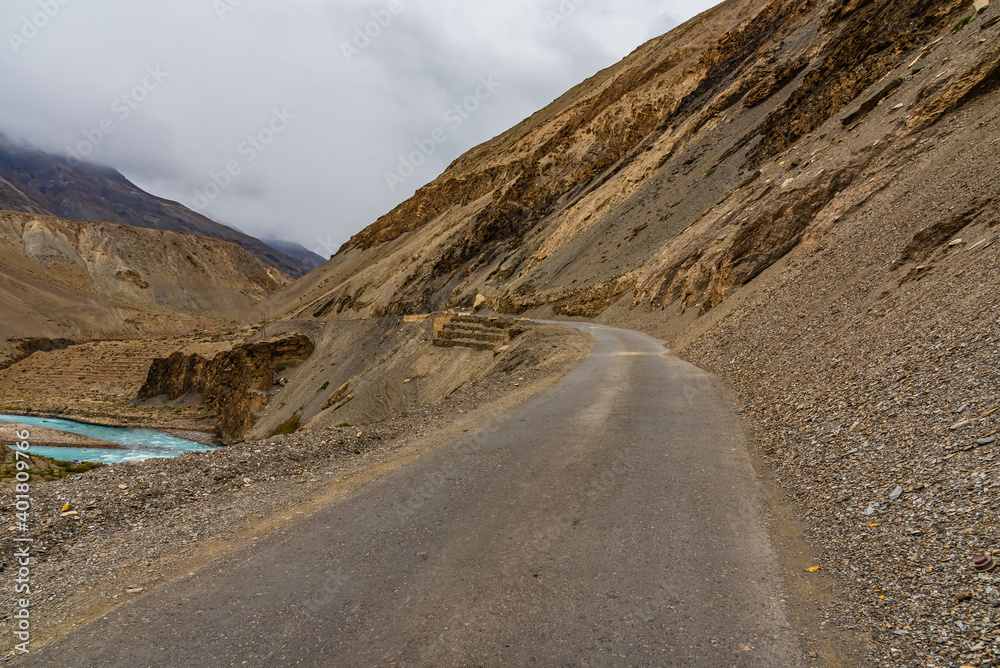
(28, 347)
(633, 181)
(236, 384)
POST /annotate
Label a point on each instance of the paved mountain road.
(611, 520)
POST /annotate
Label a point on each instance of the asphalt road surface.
(612, 520)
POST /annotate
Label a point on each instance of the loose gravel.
(879, 413)
(131, 526)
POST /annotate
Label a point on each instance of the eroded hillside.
(64, 279)
(801, 197)
(32, 181)
(678, 175)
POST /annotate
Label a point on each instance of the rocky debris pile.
(138, 494)
(902, 521)
(879, 412)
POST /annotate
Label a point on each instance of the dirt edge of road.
(468, 410)
(810, 593)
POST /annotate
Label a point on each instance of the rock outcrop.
(237, 384)
(28, 347)
(676, 176)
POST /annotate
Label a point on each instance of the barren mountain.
(68, 279)
(678, 175)
(32, 181)
(297, 251)
(800, 196)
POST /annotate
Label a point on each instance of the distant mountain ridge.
(61, 278)
(32, 181)
(297, 251)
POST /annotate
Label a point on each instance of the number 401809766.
(23, 500)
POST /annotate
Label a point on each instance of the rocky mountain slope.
(64, 279)
(32, 181)
(297, 252)
(676, 176)
(800, 196)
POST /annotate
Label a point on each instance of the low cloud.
(369, 84)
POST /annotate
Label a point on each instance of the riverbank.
(140, 524)
(96, 382)
(51, 438)
(120, 415)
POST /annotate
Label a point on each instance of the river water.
(139, 444)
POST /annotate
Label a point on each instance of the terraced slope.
(95, 370)
(100, 381)
(475, 333)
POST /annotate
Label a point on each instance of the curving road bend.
(612, 520)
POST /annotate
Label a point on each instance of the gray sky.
(298, 113)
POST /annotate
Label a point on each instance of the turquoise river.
(139, 444)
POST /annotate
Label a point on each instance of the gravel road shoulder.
(140, 524)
